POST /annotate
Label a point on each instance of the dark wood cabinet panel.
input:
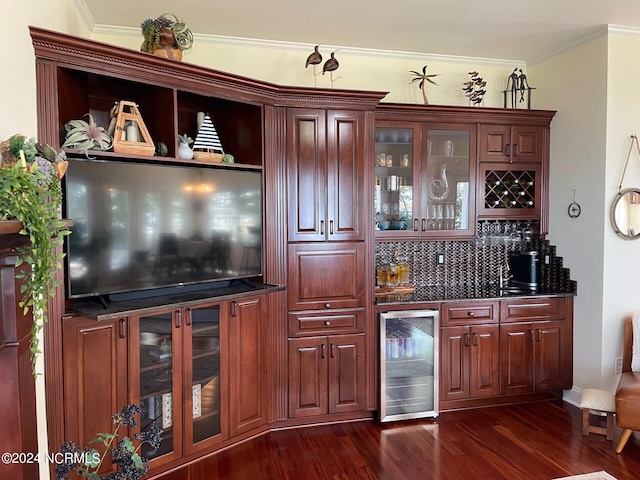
(485, 361)
(469, 313)
(454, 363)
(326, 375)
(511, 144)
(536, 355)
(325, 169)
(346, 373)
(247, 376)
(326, 275)
(308, 371)
(345, 175)
(516, 355)
(95, 380)
(470, 362)
(307, 174)
(326, 322)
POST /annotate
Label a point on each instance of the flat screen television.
(142, 227)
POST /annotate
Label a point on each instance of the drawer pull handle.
(327, 305)
(471, 314)
(327, 323)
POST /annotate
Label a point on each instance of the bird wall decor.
(331, 66)
(475, 90)
(422, 78)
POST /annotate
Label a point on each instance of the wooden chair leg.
(623, 439)
(585, 421)
(609, 425)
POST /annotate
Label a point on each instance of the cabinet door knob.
(466, 339)
(321, 227)
(123, 328)
(424, 225)
(327, 305)
(178, 318)
(415, 224)
(471, 314)
(330, 227)
(234, 308)
(333, 350)
(475, 339)
(327, 323)
(322, 354)
(188, 320)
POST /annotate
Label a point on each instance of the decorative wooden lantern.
(131, 134)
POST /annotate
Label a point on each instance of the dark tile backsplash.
(472, 263)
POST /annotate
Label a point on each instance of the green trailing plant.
(124, 452)
(423, 78)
(151, 28)
(85, 136)
(30, 192)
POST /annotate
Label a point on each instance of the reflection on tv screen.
(144, 226)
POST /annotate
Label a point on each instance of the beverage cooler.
(408, 365)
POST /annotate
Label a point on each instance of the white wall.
(284, 64)
(18, 100)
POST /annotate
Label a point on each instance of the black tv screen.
(141, 226)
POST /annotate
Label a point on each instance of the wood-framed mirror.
(625, 213)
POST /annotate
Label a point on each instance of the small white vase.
(184, 151)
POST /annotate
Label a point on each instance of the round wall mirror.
(625, 213)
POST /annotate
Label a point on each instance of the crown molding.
(85, 14)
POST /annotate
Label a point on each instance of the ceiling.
(496, 29)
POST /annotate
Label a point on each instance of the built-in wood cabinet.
(511, 143)
(492, 352)
(469, 351)
(326, 275)
(198, 371)
(424, 179)
(325, 173)
(326, 375)
(497, 170)
(536, 338)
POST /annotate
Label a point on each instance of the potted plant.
(166, 36)
(184, 149)
(30, 192)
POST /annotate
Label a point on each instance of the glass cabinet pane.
(205, 372)
(394, 163)
(447, 179)
(156, 377)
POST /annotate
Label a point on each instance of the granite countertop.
(443, 293)
(91, 308)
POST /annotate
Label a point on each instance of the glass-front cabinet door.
(448, 189)
(424, 180)
(177, 355)
(397, 165)
(202, 386)
(155, 351)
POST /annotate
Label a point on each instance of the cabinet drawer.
(468, 313)
(326, 322)
(530, 309)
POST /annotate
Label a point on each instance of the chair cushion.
(596, 399)
(628, 401)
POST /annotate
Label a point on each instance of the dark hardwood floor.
(540, 440)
